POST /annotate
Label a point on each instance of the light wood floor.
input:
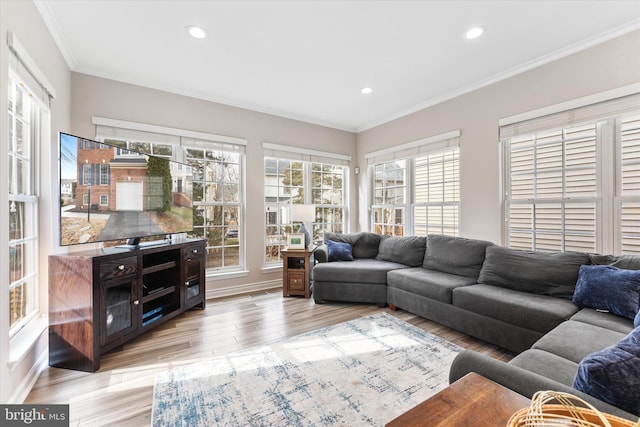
(120, 393)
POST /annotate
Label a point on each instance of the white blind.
(429, 145)
(302, 154)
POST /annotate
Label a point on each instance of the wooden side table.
(296, 272)
(473, 400)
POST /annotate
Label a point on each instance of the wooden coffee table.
(473, 400)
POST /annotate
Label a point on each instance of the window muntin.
(289, 182)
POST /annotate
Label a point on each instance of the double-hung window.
(211, 166)
(295, 176)
(571, 179)
(28, 128)
(415, 187)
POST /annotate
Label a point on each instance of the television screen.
(109, 192)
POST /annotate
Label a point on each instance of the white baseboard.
(27, 383)
(244, 289)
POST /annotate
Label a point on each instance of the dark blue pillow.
(339, 251)
(608, 288)
(613, 374)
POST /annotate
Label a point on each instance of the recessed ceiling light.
(196, 31)
(475, 32)
(366, 90)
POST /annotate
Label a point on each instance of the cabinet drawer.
(193, 251)
(296, 280)
(118, 267)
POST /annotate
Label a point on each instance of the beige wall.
(22, 19)
(606, 66)
(94, 96)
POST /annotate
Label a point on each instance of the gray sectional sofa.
(518, 300)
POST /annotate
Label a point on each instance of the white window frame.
(28, 195)
(408, 153)
(284, 223)
(605, 110)
(180, 139)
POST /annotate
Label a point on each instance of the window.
(416, 187)
(217, 201)
(104, 200)
(104, 174)
(297, 176)
(390, 196)
(24, 126)
(571, 179)
(437, 193)
(212, 166)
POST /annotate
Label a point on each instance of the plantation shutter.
(558, 191)
(629, 201)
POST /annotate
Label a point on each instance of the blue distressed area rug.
(363, 372)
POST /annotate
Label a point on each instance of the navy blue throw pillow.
(613, 374)
(339, 251)
(608, 288)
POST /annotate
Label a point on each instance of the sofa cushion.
(427, 283)
(608, 288)
(407, 250)
(339, 251)
(535, 312)
(613, 374)
(455, 255)
(628, 262)
(365, 244)
(547, 364)
(604, 320)
(363, 270)
(545, 273)
(575, 340)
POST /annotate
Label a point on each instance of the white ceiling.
(308, 60)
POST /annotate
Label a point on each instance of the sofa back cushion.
(627, 262)
(455, 255)
(545, 273)
(407, 250)
(364, 245)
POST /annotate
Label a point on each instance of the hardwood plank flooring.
(120, 393)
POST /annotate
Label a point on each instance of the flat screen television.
(109, 192)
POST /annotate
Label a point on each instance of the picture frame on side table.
(295, 241)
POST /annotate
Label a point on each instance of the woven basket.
(551, 408)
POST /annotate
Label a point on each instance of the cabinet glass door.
(118, 309)
(193, 263)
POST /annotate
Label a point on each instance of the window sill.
(222, 275)
(23, 342)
